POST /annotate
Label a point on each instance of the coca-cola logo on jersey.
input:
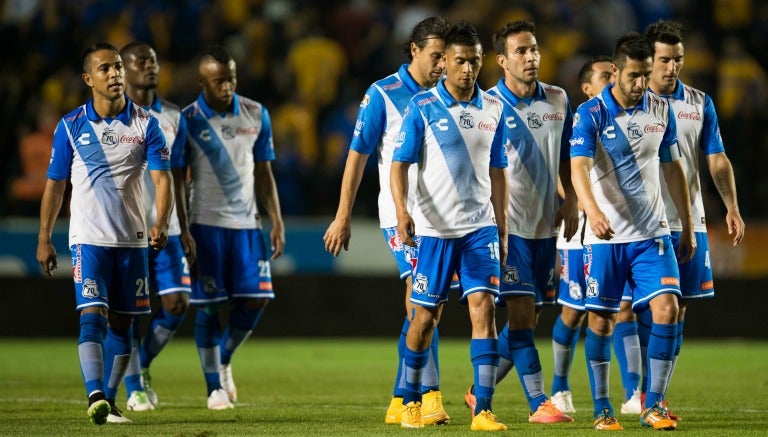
(556, 116)
(130, 139)
(693, 115)
(657, 128)
(484, 125)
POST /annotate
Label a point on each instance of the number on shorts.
(264, 271)
(551, 279)
(493, 247)
(185, 263)
(707, 262)
(142, 287)
(661, 245)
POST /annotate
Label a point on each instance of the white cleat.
(138, 401)
(563, 401)
(633, 404)
(218, 400)
(227, 383)
(116, 416)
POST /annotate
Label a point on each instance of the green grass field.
(343, 386)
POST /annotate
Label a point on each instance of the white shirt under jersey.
(105, 159)
(174, 128)
(378, 124)
(538, 134)
(222, 151)
(455, 144)
(626, 145)
(698, 132)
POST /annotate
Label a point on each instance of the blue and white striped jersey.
(222, 151)
(538, 136)
(378, 124)
(697, 132)
(105, 159)
(455, 144)
(174, 127)
(627, 146)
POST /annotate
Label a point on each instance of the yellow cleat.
(432, 409)
(486, 421)
(548, 413)
(607, 422)
(658, 418)
(394, 412)
(411, 417)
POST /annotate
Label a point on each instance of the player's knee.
(625, 313)
(176, 304)
(572, 318)
(664, 309)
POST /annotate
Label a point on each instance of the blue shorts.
(402, 253)
(231, 263)
(168, 269)
(530, 269)
(696, 275)
(572, 284)
(474, 256)
(111, 277)
(648, 266)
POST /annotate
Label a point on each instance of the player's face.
(521, 62)
(632, 81)
(667, 63)
(105, 75)
(429, 61)
(219, 82)
(462, 66)
(141, 68)
(602, 75)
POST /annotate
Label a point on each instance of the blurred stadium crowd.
(310, 62)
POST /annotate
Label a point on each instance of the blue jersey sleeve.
(158, 155)
(499, 145)
(669, 150)
(711, 141)
(264, 147)
(411, 137)
(584, 134)
(177, 151)
(565, 140)
(370, 124)
(61, 155)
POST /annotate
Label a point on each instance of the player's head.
(425, 50)
(141, 67)
(103, 71)
(463, 56)
(595, 75)
(668, 57)
(218, 77)
(517, 51)
(632, 62)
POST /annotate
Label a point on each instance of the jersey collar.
(512, 97)
(613, 106)
(156, 105)
(408, 80)
(448, 99)
(124, 116)
(678, 93)
(208, 112)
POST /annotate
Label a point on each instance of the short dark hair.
(632, 46)
(463, 34)
(131, 47)
(431, 27)
(95, 48)
(218, 53)
(511, 28)
(586, 72)
(665, 31)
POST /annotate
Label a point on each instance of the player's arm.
(674, 175)
(568, 211)
(500, 201)
(267, 192)
(598, 222)
(722, 174)
(398, 183)
(179, 172)
(340, 230)
(50, 205)
(406, 152)
(163, 182)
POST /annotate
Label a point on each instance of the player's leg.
(626, 344)
(137, 399)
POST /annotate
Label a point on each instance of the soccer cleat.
(138, 401)
(657, 417)
(146, 383)
(98, 408)
(470, 401)
(633, 405)
(227, 383)
(395, 411)
(115, 415)
(548, 413)
(411, 417)
(671, 415)
(486, 421)
(432, 410)
(219, 400)
(607, 422)
(564, 401)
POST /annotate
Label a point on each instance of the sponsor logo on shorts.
(707, 285)
(511, 275)
(670, 280)
(420, 284)
(587, 254)
(494, 280)
(77, 265)
(550, 293)
(142, 303)
(90, 289)
(265, 285)
(185, 280)
(593, 287)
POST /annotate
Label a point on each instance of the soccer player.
(378, 123)
(619, 138)
(453, 132)
(229, 149)
(103, 148)
(698, 133)
(168, 268)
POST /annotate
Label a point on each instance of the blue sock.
(526, 359)
(644, 323)
(242, 320)
(399, 389)
(564, 340)
(430, 378)
(661, 349)
(132, 377)
(117, 354)
(678, 346)
(207, 337)
(415, 361)
(598, 351)
(90, 348)
(626, 345)
(505, 358)
(485, 359)
(161, 329)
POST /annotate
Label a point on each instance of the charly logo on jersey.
(633, 131)
(420, 284)
(90, 289)
(205, 135)
(510, 275)
(227, 132)
(534, 120)
(593, 287)
(109, 137)
(466, 121)
(84, 139)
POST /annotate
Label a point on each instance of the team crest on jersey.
(466, 121)
(511, 275)
(109, 137)
(227, 132)
(90, 289)
(366, 101)
(534, 120)
(420, 284)
(576, 118)
(574, 290)
(633, 131)
(593, 288)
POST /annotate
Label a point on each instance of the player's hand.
(406, 229)
(686, 247)
(277, 240)
(337, 236)
(569, 214)
(600, 225)
(46, 256)
(735, 226)
(189, 247)
(158, 237)
(503, 251)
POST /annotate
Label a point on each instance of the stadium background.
(310, 64)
